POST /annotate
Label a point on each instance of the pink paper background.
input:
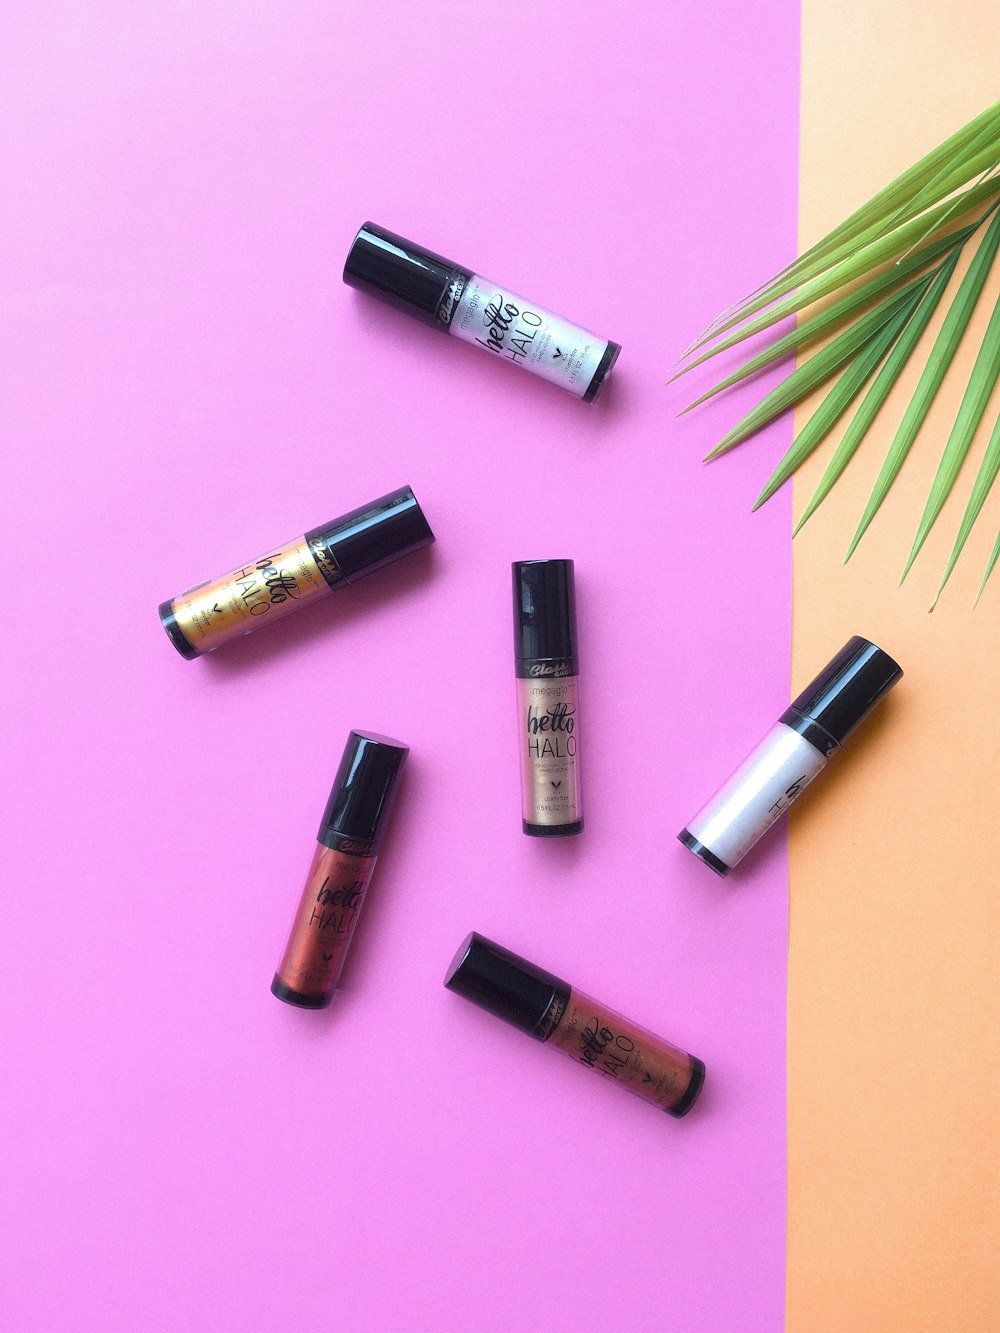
(186, 380)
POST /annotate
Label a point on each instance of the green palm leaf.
(839, 399)
(985, 478)
(969, 151)
(818, 368)
(978, 155)
(854, 265)
(881, 387)
(984, 376)
(989, 566)
(886, 268)
(942, 353)
(809, 330)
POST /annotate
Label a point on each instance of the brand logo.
(451, 298)
(347, 895)
(265, 585)
(557, 718)
(280, 586)
(499, 318)
(352, 846)
(593, 1042)
(550, 669)
(328, 566)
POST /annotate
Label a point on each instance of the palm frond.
(945, 168)
(987, 475)
(810, 330)
(989, 567)
(887, 267)
(942, 354)
(881, 387)
(839, 399)
(982, 381)
(827, 361)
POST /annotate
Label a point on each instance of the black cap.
(364, 789)
(847, 689)
(376, 534)
(403, 274)
(544, 609)
(504, 984)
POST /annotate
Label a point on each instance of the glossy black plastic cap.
(502, 983)
(544, 609)
(848, 688)
(397, 271)
(376, 534)
(364, 788)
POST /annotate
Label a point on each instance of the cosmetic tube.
(487, 314)
(347, 847)
(796, 750)
(295, 574)
(548, 697)
(589, 1032)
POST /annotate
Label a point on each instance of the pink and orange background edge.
(187, 379)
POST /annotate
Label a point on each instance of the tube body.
(548, 700)
(260, 592)
(301, 571)
(615, 1048)
(477, 310)
(347, 845)
(796, 749)
(550, 1010)
(324, 923)
(525, 334)
(769, 779)
(548, 696)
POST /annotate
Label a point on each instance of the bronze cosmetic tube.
(587, 1031)
(548, 697)
(292, 575)
(347, 846)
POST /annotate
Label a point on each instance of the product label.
(256, 594)
(601, 1040)
(509, 326)
(549, 736)
(324, 923)
(758, 793)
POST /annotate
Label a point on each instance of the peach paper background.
(893, 1055)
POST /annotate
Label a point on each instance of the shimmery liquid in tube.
(564, 1018)
(476, 310)
(548, 697)
(794, 752)
(340, 873)
(295, 573)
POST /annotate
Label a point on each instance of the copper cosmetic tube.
(587, 1031)
(348, 842)
(295, 573)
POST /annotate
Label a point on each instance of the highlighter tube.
(548, 697)
(487, 314)
(295, 573)
(795, 750)
(570, 1021)
(347, 847)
